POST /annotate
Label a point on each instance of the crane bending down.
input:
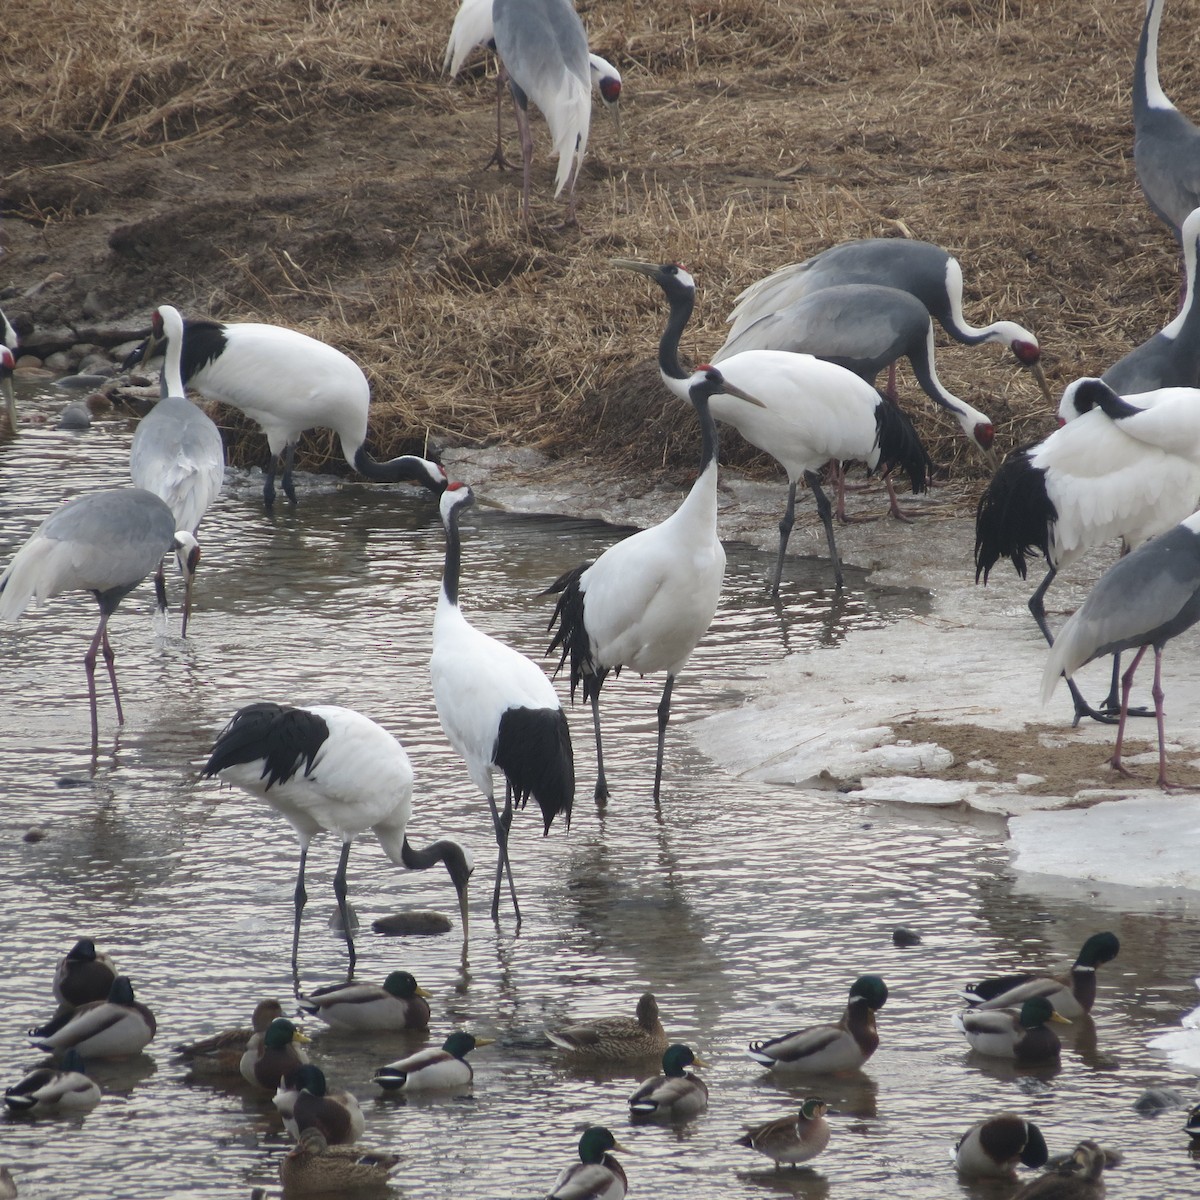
(330, 768)
(808, 411)
(930, 273)
(177, 453)
(1144, 600)
(1127, 469)
(288, 382)
(105, 543)
(647, 600)
(543, 46)
(497, 708)
(863, 327)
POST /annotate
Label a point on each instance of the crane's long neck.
(1147, 92)
(682, 301)
(710, 442)
(453, 565)
(1176, 326)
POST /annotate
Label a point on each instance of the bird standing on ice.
(177, 453)
(1144, 600)
(103, 542)
(328, 767)
(497, 708)
(646, 601)
(288, 382)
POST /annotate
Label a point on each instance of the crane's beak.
(490, 503)
(730, 390)
(1040, 376)
(632, 264)
(614, 111)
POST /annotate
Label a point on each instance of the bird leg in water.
(100, 643)
(339, 890)
(825, 512)
(785, 531)
(160, 587)
(503, 823)
(601, 780)
(288, 457)
(300, 898)
(664, 715)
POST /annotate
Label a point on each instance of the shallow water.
(747, 909)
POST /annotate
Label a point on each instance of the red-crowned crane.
(103, 542)
(497, 708)
(330, 768)
(808, 412)
(288, 382)
(647, 600)
(177, 453)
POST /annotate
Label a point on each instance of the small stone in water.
(35, 833)
(1154, 1100)
(905, 937)
(415, 922)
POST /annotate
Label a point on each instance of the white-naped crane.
(1166, 145)
(808, 412)
(177, 453)
(1141, 602)
(647, 600)
(497, 708)
(8, 364)
(325, 767)
(930, 273)
(1119, 470)
(543, 46)
(288, 382)
(1171, 358)
(863, 327)
(103, 542)
(473, 27)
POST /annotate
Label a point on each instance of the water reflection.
(747, 909)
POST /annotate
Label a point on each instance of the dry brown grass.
(306, 163)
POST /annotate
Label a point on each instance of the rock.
(75, 416)
(413, 923)
(59, 360)
(905, 937)
(35, 833)
(1157, 1099)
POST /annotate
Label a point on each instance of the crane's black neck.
(682, 300)
(447, 852)
(1146, 63)
(408, 468)
(710, 446)
(453, 565)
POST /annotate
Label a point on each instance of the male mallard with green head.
(276, 1057)
(83, 975)
(314, 1167)
(1072, 994)
(48, 1091)
(1010, 1033)
(433, 1068)
(791, 1140)
(366, 1007)
(993, 1148)
(616, 1038)
(825, 1048)
(676, 1094)
(309, 1104)
(597, 1175)
(118, 1027)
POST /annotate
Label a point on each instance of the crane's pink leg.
(891, 393)
(1157, 693)
(498, 159)
(526, 158)
(89, 665)
(1126, 687)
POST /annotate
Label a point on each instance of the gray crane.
(543, 46)
(1144, 600)
(1166, 145)
(105, 543)
(930, 273)
(863, 327)
(177, 453)
(1171, 358)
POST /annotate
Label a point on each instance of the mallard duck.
(114, 1028)
(359, 1007)
(83, 975)
(1072, 994)
(308, 1104)
(597, 1175)
(823, 1048)
(993, 1147)
(1192, 1127)
(8, 1189)
(676, 1094)
(616, 1039)
(314, 1167)
(276, 1057)
(47, 1090)
(1076, 1178)
(433, 1068)
(222, 1053)
(1010, 1033)
(791, 1139)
